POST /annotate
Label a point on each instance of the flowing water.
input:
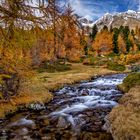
(77, 112)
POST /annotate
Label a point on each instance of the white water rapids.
(75, 109)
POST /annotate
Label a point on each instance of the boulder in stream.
(63, 123)
(23, 122)
(36, 106)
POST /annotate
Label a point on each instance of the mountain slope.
(129, 18)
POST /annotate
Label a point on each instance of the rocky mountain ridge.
(129, 18)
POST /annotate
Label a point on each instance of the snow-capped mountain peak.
(129, 18)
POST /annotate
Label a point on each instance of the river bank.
(38, 88)
(124, 120)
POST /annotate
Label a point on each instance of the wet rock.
(2, 120)
(3, 132)
(105, 87)
(18, 134)
(53, 120)
(23, 122)
(99, 123)
(62, 123)
(48, 137)
(89, 113)
(88, 136)
(26, 138)
(21, 138)
(46, 130)
(3, 137)
(13, 135)
(85, 92)
(93, 119)
(58, 136)
(67, 135)
(91, 127)
(22, 132)
(106, 126)
(43, 121)
(36, 106)
(46, 122)
(36, 135)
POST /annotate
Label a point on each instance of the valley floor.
(123, 119)
(38, 88)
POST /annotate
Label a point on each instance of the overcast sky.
(93, 9)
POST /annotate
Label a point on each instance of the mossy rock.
(130, 81)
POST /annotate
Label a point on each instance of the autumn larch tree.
(54, 12)
(103, 43)
(15, 43)
(72, 35)
(121, 44)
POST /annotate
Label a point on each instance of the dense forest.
(62, 80)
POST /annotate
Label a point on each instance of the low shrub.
(40, 70)
(56, 67)
(86, 61)
(115, 66)
(9, 85)
(101, 61)
(132, 58)
(135, 68)
(112, 55)
(89, 61)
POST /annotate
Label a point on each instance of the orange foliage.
(103, 43)
(134, 48)
(127, 59)
(71, 36)
(130, 58)
(121, 44)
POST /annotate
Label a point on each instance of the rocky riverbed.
(77, 112)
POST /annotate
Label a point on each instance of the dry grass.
(37, 89)
(125, 118)
(79, 72)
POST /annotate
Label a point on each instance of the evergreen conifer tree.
(94, 32)
(115, 41)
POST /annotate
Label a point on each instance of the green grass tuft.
(131, 81)
(57, 67)
(115, 66)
